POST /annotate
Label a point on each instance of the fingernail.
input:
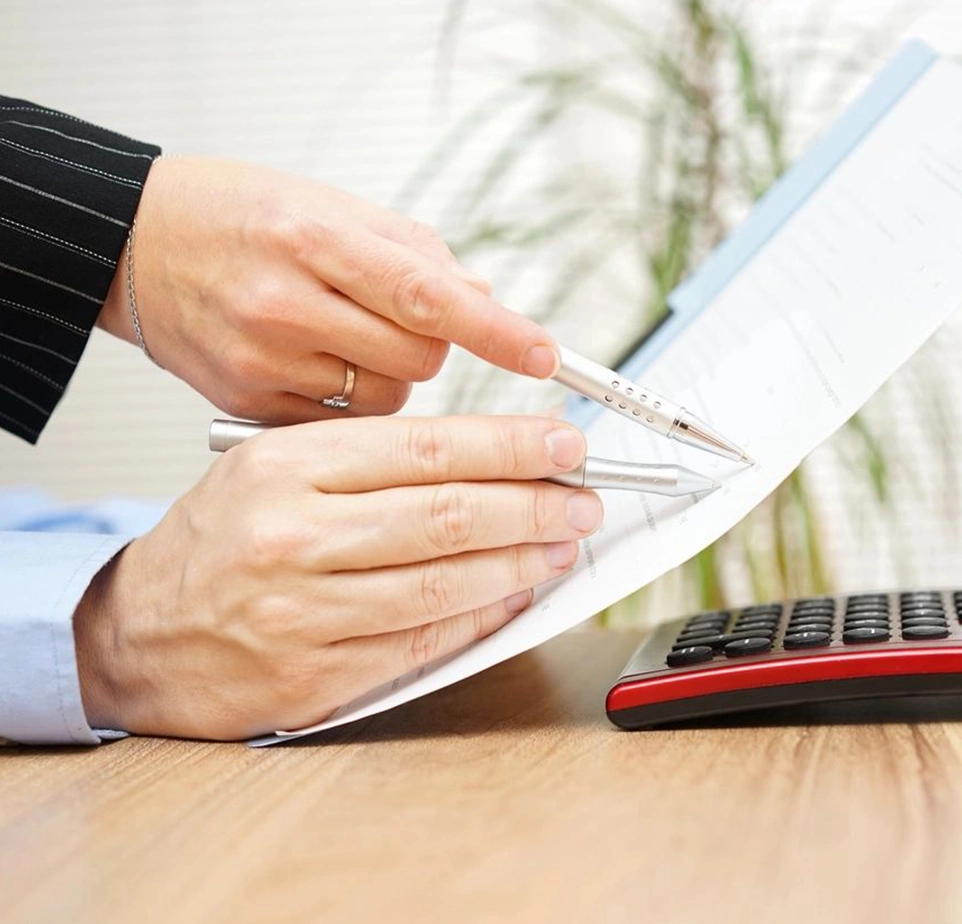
(561, 554)
(518, 602)
(541, 361)
(566, 447)
(584, 511)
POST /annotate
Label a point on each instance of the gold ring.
(341, 401)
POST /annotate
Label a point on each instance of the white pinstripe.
(73, 328)
(63, 115)
(53, 131)
(43, 378)
(83, 168)
(24, 399)
(41, 347)
(62, 201)
(43, 236)
(52, 282)
(19, 423)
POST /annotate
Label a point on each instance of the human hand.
(255, 287)
(313, 563)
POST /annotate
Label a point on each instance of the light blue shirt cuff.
(42, 578)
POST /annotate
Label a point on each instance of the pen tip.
(746, 459)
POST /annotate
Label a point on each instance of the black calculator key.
(926, 611)
(920, 595)
(924, 621)
(865, 608)
(866, 624)
(698, 630)
(767, 625)
(717, 641)
(863, 634)
(696, 654)
(812, 617)
(757, 609)
(807, 639)
(764, 631)
(705, 628)
(808, 627)
(748, 646)
(874, 598)
(922, 632)
(718, 616)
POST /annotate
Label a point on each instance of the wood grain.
(505, 798)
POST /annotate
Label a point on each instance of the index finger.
(353, 456)
(421, 296)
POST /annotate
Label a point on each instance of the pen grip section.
(614, 392)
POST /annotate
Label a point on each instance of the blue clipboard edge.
(690, 298)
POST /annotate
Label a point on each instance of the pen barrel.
(573, 479)
(628, 476)
(613, 391)
(225, 434)
(601, 474)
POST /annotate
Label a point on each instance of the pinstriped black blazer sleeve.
(68, 194)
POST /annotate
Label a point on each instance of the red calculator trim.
(693, 683)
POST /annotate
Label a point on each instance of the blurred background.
(583, 154)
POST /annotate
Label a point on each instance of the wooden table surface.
(505, 798)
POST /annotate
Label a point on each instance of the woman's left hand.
(256, 287)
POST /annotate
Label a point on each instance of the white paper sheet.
(823, 313)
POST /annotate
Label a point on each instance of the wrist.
(114, 316)
(96, 623)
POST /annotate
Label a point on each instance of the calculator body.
(792, 652)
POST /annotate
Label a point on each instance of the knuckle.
(422, 300)
(427, 644)
(450, 519)
(261, 458)
(236, 405)
(430, 451)
(272, 542)
(295, 233)
(436, 592)
(431, 359)
(512, 451)
(423, 233)
(395, 397)
(536, 513)
(520, 567)
(242, 404)
(477, 623)
(296, 675)
(269, 616)
(269, 305)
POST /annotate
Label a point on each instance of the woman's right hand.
(315, 562)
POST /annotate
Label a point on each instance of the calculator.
(793, 652)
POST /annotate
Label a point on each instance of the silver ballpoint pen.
(616, 393)
(671, 480)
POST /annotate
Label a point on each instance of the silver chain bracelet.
(134, 317)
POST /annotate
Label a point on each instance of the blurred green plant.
(708, 115)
